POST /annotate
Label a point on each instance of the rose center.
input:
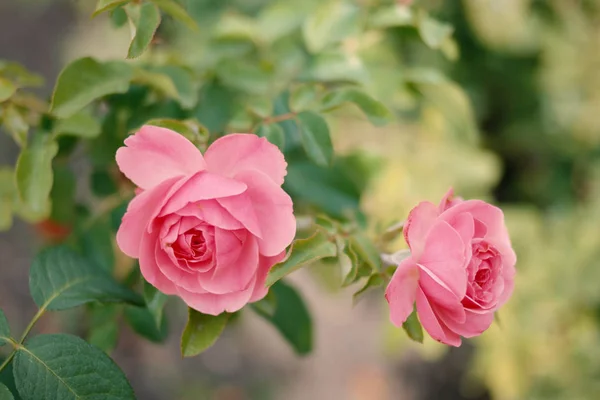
(483, 270)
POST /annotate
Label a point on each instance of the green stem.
(35, 319)
(11, 355)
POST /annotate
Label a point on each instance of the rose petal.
(215, 304)
(235, 153)
(474, 325)
(436, 329)
(420, 220)
(448, 201)
(402, 291)
(154, 155)
(442, 298)
(149, 267)
(212, 213)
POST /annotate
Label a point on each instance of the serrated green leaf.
(314, 134)
(15, 124)
(201, 332)
(374, 281)
(301, 253)
(65, 367)
(107, 5)
(5, 394)
(60, 278)
(34, 176)
(413, 327)
(85, 80)
(391, 16)
(375, 111)
(146, 19)
(433, 32)
(4, 329)
(81, 124)
(274, 134)
(332, 22)
(291, 318)
(7, 89)
(177, 12)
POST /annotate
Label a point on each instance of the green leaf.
(267, 305)
(301, 253)
(81, 124)
(5, 394)
(366, 250)
(314, 134)
(8, 194)
(143, 322)
(63, 194)
(146, 19)
(59, 279)
(102, 183)
(186, 88)
(349, 263)
(118, 17)
(391, 16)
(291, 318)
(107, 5)
(65, 367)
(302, 97)
(4, 329)
(413, 327)
(34, 176)
(434, 33)
(374, 281)
(19, 75)
(331, 23)
(15, 124)
(335, 66)
(375, 111)
(104, 327)
(85, 80)
(274, 134)
(177, 12)
(201, 332)
(7, 89)
(97, 246)
(191, 129)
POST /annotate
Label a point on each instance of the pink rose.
(207, 229)
(460, 271)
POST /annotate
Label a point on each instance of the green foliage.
(5, 394)
(145, 18)
(4, 329)
(201, 332)
(413, 328)
(108, 5)
(65, 367)
(314, 134)
(172, 8)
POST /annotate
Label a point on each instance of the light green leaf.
(279, 19)
(375, 111)
(186, 87)
(107, 5)
(261, 106)
(62, 195)
(433, 32)
(391, 16)
(7, 89)
(8, 194)
(65, 367)
(81, 124)
(413, 327)
(19, 75)
(314, 134)
(335, 66)
(274, 134)
(59, 279)
(366, 250)
(4, 329)
(331, 23)
(374, 281)
(15, 123)
(244, 76)
(191, 129)
(5, 394)
(85, 80)
(177, 12)
(349, 263)
(201, 332)
(34, 176)
(302, 97)
(291, 317)
(303, 252)
(145, 19)
(156, 80)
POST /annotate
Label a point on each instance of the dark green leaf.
(303, 252)
(7, 89)
(34, 176)
(366, 250)
(65, 367)
(81, 124)
(314, 133)
(118, 17)
(102, 183)
(215, 107)
(63, 194)
(291, 318)
(104, 327)
(176, 11)
(331, 23)
(7, 378)
(274, 134)
(413, 327)
(85, 80)
(143, 322)
(375, 111)
(61, 279)
(374, 281)
(4, 329)
(145, 19)
(5, 394)
(97, 245)
(201, 332)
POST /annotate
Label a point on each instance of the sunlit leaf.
(201, 332)
(330, 23)
(391, 16)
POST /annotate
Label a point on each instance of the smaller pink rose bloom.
(460, 271)
(206, 228)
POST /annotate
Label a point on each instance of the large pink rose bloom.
(207, 229)
(460, 271)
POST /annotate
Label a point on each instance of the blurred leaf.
(7, 89)
(5, 394)
(216, 106)
(81, 124)
(85, 80)
(302, 97)
(374, 281)
(66, 367)
(314, 133)
(59, 279)
(201, 332)
(63, 195)
(301, 253)
(291, 318)
(156, 80)
(244, 76)
(102, 183)
(97, 246)
(183, 80)
(266, 306)
(118, 17)
(8, 194)
(177, 12)
(145, 18)
(279, 19)
(335, 66)
(261, 106)
(413, 327)
(366, 250)
(433, 32)
(19, 75)
(143, 322)
(4, 329)
(274, 134)
(15, 123)
(333, 21)
(375, 111)
(34, 176)
(104, 327)
(107, 5)
(391, 16)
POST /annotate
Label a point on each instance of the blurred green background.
(507, 111)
